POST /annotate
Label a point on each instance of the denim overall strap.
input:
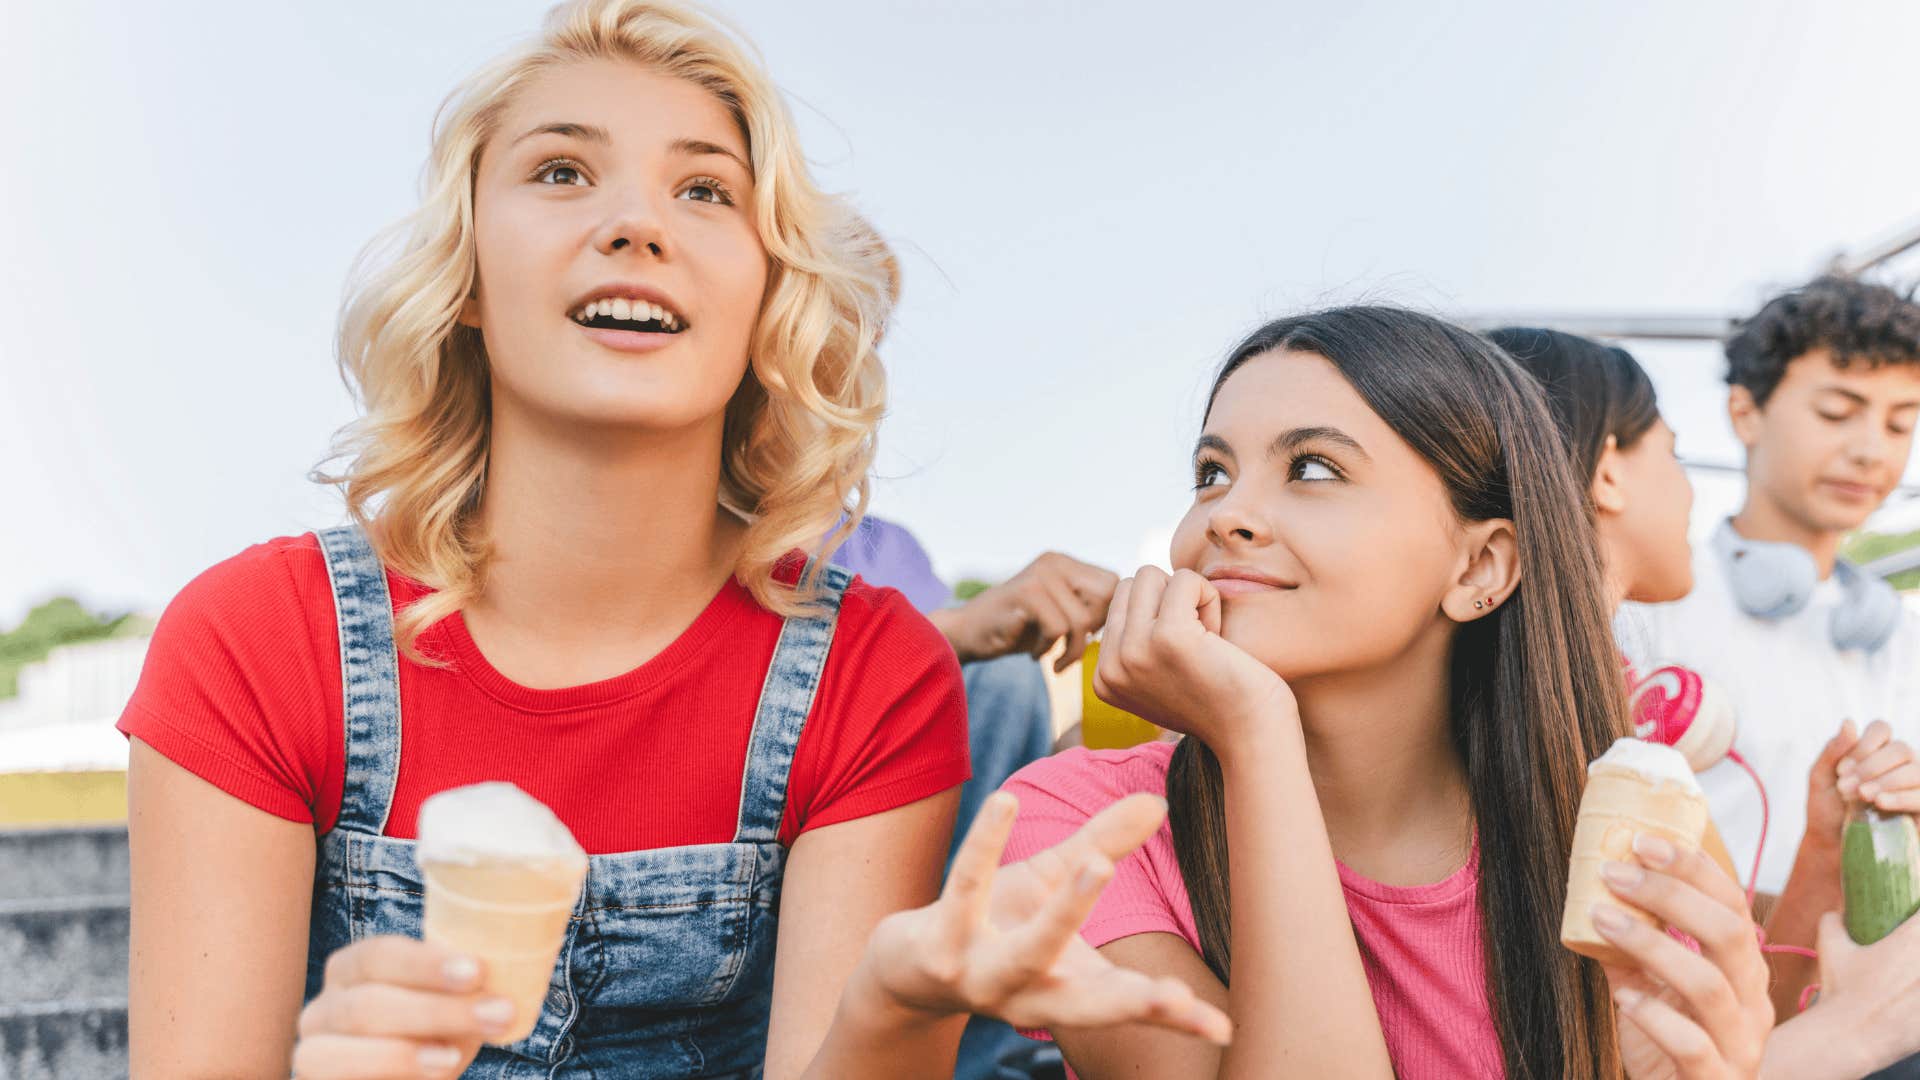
(785, 701)
(370, 675)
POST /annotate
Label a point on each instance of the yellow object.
(1618, 803)
(512, 916)
(63, 798)
(1102, 726)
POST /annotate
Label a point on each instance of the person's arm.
(1874, 767)
(1054, 597)
(1139, 1050)
(221, 892)
(1294, 953)
(1296, 963)
(1000, 941)
(841, 880)
(1863, 1020)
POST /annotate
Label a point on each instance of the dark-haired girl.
(1386, 642)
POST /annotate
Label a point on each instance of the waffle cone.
(1617, 804)
(512, 916)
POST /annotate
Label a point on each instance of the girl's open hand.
(1004, 941)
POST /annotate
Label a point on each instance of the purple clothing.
(887, 555)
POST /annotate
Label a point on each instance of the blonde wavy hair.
(799, 433)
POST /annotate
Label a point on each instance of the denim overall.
(667, 967)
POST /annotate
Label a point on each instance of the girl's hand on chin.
(1162, 657)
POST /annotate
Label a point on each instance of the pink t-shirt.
(1420, 945)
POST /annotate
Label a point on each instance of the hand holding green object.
(1880, 866)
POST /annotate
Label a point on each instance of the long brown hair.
(1535, 687)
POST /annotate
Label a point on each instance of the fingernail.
(438, 1058)
(494, 1012)
(1622, 875)
(1609, 920)
(1846, 766)
(461, 972)
(1869, 790)
(1627, 998)
(1655, 850)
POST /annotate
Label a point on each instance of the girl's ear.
(1609, 490)
(469, 312)
(1489, 571)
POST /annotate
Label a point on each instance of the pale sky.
(1092, 203)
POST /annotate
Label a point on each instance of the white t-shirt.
(1790, 689)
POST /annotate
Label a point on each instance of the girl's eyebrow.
(701, 147)
(1288, 441)
(593, 133)
(1291, 440)
(588, 132)
(1214, 443)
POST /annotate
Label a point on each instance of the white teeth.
(627, 311)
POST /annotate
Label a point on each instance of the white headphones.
(1773, 581)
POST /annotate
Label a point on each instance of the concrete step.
(63, 950)
(75, 1040)
(50, 864)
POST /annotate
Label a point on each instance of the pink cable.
(1753, 880)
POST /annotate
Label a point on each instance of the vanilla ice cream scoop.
(492, 821)
(1653, 761)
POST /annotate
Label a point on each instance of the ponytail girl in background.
(1386, 644)
(1605, 407)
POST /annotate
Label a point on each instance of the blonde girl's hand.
(1004, 941)
(1685, 1015)
(393, 1008)
(1162, 657)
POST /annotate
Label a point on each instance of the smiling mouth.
(635, 316)
(1850, 487)
(1247, 583)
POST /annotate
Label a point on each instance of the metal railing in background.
(1690, 327)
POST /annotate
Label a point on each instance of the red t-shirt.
(242, 688)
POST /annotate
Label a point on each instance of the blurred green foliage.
(60, 621)
(1868, 546)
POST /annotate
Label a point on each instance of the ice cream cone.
(1619, 802)
(503, 875)
(512, 916)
